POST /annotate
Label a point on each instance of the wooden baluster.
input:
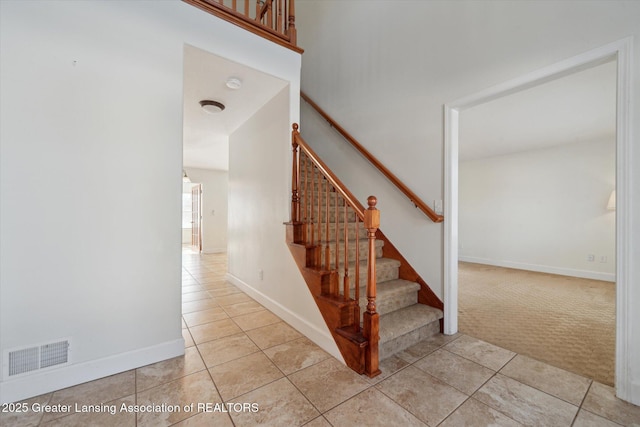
(356, 308)
(291, 30)
(327, 250)
(295, 177)
(270, 13)
(335, 210)
(346, 253)
(371, 318)
(311, 202)
(234, 5)
(319, 218)
(258, 11)
(321, 243)
(246, 8)
(305, 231)
(280, 18)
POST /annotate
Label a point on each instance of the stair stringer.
(337, 312)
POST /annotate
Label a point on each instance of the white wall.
(385, 70)
(91, 103)
(542, 210)
(214, 207)
(259, 203)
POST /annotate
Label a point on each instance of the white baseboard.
(633, 393)
(584, 274)
(322, 338)
(27, 386)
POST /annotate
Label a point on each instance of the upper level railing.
(272, 19)
(417, 201)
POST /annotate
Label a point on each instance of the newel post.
(295, 177)
(371, 320)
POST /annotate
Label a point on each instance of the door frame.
(196, 217)
(619, 51)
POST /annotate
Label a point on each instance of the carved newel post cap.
(372, 201)
(295, 127)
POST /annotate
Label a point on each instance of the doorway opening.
(536, 239)
(619, 53)
(196, 218)
(192, 217)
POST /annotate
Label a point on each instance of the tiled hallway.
(243, 366)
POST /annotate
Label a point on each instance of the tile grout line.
(442, 347)
(371, 385)
(545, 392)
(582, 403)
(528, 385)
(262, 351)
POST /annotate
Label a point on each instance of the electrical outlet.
(591, 257)
(261, 274)
(603, 259)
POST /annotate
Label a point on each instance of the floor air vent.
(32, 359)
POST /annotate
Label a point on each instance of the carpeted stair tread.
(363, 251)
(405, 320)
(391, 295)
(390, 288)
(386, 269)
(362, 232)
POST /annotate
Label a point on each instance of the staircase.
(403, 320)
(372, 300)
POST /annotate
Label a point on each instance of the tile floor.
(244, 366)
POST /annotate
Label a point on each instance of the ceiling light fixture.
(234, 83)
(185, 178)
(211, 107)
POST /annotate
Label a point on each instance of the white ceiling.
(577, 108)
(206, 136)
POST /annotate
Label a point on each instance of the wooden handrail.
(284, 35)
(418, 203)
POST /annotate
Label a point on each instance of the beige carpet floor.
(565, 321)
